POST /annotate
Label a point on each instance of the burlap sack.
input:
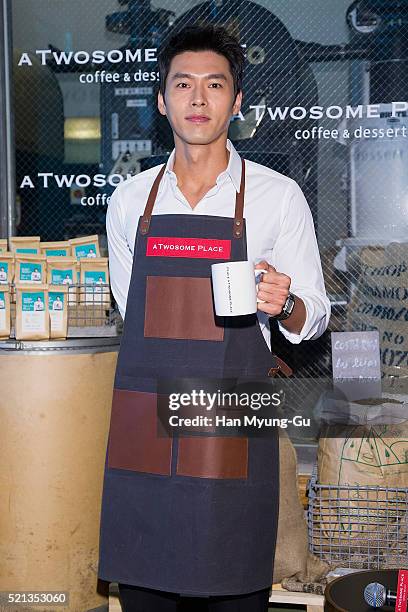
(381, 302)
(365, 455)
(292, 556)
(360, 456)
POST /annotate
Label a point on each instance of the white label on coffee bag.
(2, 310)
(33, 312)
(94, 289)
(56, 307)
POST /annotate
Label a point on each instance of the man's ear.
(161, 104)
(237, 104)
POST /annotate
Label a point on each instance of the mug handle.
(259, 271)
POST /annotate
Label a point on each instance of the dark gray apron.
(191, 515)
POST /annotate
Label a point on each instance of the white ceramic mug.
(235, 288)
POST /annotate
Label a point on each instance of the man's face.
(199, 98)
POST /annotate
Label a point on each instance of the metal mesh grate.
(77, 134)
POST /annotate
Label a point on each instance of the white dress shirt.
(279, 228)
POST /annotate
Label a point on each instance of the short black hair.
(206, 37)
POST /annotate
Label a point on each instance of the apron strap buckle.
(145, 224)
(281, 368)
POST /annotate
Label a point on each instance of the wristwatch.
(287, 308)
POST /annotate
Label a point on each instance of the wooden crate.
(312, 602)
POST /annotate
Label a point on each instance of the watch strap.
(284, 314)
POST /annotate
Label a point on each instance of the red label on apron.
(402, 591)
(188, 247)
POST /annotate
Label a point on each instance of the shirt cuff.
(313, 324)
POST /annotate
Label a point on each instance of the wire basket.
(358, 526)
(89, 308)
(90, 311)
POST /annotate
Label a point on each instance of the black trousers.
(138, 599)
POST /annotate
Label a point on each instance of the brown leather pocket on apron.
(213, 457)
(134, 442)
(180, 307)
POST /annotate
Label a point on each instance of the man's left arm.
(295, 266)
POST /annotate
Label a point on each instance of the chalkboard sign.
(356, 363)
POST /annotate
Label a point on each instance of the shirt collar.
(233, 170)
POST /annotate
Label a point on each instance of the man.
(100, 281)
(190, 523)
(39, 304)
(57, 304)
(36, 275)
(67, 280)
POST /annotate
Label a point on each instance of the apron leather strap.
(147, 215)
(281, 369)
(239, 204)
